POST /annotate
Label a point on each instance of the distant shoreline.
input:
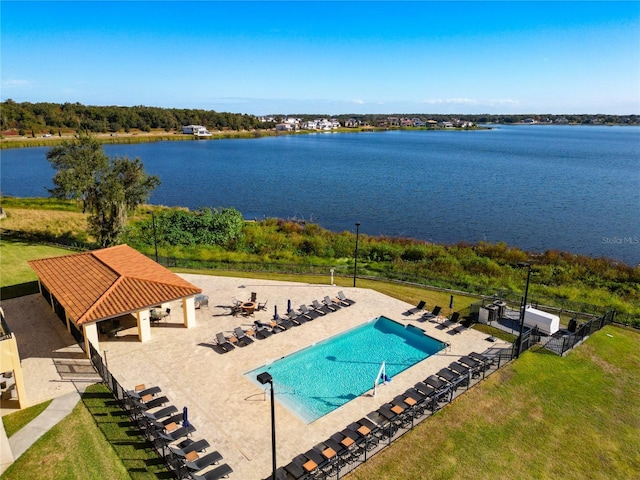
(163, 136)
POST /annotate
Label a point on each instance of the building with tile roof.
(87, 288)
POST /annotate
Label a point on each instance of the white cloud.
(358, 101)
(16, 83)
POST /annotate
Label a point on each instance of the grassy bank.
(541, 417)
(565, 280)
(96, 441)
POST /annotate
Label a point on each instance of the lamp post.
(265, 378)
(355, 258)
(155, 239)
(524, 304)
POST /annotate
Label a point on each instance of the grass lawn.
(541, 417)
(17, 420)
(13, 261)
(76, 449)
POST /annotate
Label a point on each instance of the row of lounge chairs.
(327, 458)
(434, 316)
(170, 433)
(293, 318)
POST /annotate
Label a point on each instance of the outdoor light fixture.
(155, 239)
(264, 378)
(524, 304)
(355, 258)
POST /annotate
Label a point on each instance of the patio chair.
(223, 342)
(482, 358)
(262, 331)
(296, 318)
(451, 321)
(254, 297)
(153, 391)
(417, 309)
(151, 402)
(284, 323)
(190, 446)
(243, 338)
(330, 303)
(262, 306)
(340, 302)
(177, 434)
(320, 307)
(219, 472)
(201, 301)
(312, 314)
(342, 297)
(160, 414)
(432, 315)
(198, 462)
(295, 470)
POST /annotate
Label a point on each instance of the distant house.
(285, 127)
(419, 123)
(393, 121)
(197, 130)
(406, 122)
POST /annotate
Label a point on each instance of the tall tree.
(108, 188)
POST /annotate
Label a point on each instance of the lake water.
(575, 189)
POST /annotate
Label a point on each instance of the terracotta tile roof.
(109, 282)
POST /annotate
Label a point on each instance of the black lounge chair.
(221, 471)
(320, 307)
(284, 323)
(471, 363)
(304, 314)
(417, 309)
(262, 331)
(432, 315)
(189, 446)
(331, 304)
(451, 321)
(177, 434)
(313, 314)
(160, 414)
(296, 318)
(152, 403)
(482, 358)
(223, 342)
(242, 337)
(203, 462)
(295, 470)
(153, 391)
(342, 297)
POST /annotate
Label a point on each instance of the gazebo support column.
(144, 326)
(189, 312)
(90, 332)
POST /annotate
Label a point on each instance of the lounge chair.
(222, 471)
(177, 434)
(223, 342)
(340, 302)
(197, 446)
(342, 297)
(295, 470)
(160, 414)
(262, 331)
(417, 309)
(320, 307)
(451, 321)
(432, 315)
(313, 314)
(284, 323)
(202, 462)
(151, 403)
(243, 338)
(331, 304)
(482, 358)
(153, 391)
(296, 318)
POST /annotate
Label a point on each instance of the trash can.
(573, 325)
(501, 307)
(493, 313)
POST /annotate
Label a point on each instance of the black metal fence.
(566, 342)
(354, 445)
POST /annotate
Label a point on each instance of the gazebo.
(87, 288)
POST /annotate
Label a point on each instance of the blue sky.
(331, 57)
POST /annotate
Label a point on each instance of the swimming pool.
(325, 376)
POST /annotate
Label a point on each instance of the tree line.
(45, 117)
(28, 118)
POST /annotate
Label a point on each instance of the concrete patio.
(227, 409)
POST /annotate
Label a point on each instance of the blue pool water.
(325, 376)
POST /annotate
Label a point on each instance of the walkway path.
(12, 448)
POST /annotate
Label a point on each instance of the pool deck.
(231, 412)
